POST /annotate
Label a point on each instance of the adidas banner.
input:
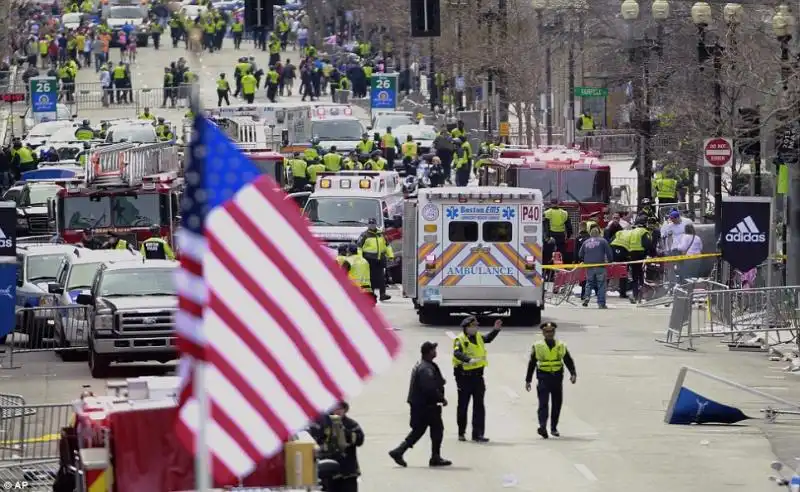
(745, 231)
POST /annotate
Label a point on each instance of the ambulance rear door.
(432, 250)
(496, 259)
(531, 243)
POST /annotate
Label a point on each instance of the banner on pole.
(745, 231)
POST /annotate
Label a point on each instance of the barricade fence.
(88, 96)
(33, 432)
(48, 328)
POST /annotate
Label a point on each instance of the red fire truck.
(128, 189)
(577, 180)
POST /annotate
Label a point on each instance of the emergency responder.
(463, 163)
(84, 132)
(484, 160)
(375, 162)
(116, 242)
(89, 240)
(249, 84)
(155, 31)
(119, 76)
(619, 246)
(223, 91)
(23, 159)
(350, 162)
(445, 149)
(639, 243)
(426, 399)
(646, 210)
(585, 123)
(548, 358)
(170, 88)
(341, 254)
(376, 250)
(358, 270)
(409, 149)
(389, 144)
(459, 132)
(469, 361)
(666, 187)
(558, 228)
(155, 247)
(164, 131)
(299, 170)
(272, 82)
(240, 70)
(314, 168)
(338, 436)
(175, 29)
(237, 29)
(332, 160)
(365, 145)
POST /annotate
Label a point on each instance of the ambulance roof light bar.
(496, 197)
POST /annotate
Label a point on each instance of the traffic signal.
(258, 13)
(425, 19)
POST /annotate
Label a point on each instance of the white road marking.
(586, 472)
(451, 335)
(510, 392)
(591, 327)
(771, 388)
(774, 377)
(643, 357)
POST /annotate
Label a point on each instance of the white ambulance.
(474, 250)
(265, 125)
(335, 125)
(341, 205)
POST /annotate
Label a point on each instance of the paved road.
(613, 437)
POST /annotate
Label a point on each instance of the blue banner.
(693, 408)
(8, 297)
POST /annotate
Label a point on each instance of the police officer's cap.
(549, 325)
(342, 249)
(468, 321)
(352, 248)
(427, 347)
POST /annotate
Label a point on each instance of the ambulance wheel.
(396, 275)
(526, 316)
(98, 365)
(430, 316)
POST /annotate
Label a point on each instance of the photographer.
(338, 436)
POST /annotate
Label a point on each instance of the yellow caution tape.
(663, 259)
(33, 440)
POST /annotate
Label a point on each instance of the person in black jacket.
(426, 399)
(338, 436)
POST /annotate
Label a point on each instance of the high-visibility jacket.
(375, 247)
(557, 218)
(359, 271)
(367, 71)
(388, 140)
(119, 72)
(313, 170)
(25, 155)
(273, 77)
(365, 146)
(144, 116)
(472, 350)
(164, 133)
(242, 68)
(83, 133)
(548, 359)
(456, 133)
(409, 149)
(587, 123)
(375, 165)
(622, 239)
(298, 167)
(635, 239)
(155, 248)
(467, 150)
(121, 244)
(223, 85)
(590, 224)
(249, 84)
(332, 161)
(310, 154)
(666, 188)
(348, 164)
(237, 27)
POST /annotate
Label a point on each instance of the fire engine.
(574, 179)
(128, 188)
(114, 438)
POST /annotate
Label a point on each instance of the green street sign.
(591, 92)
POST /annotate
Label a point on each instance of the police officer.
(548, 358)
(223, 90)
(375, 162)
(619, 246)
(358, 270)
(559, 228)
(426, 399)
(639, 243)
(116, 242)
(23, 159)
(341, 255)
(389, 144)
(299, 169)
(332, 160)
(163, 131)
(338, 437)
(84, 132)
(249, 84)
(155, 247)
(462, 162)
(314, 168)
(365, 145)
(376, 250)
(469, 361)
(409, 148)
(666, 188)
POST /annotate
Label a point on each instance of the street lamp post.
(579, 7)
(641, 51)
(539, 6)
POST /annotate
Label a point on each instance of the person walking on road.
(548, 358)
(469, 361)
(595, 250)
(426, 399)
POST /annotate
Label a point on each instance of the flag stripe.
(314, 301)
(235, 432)
(289, 328)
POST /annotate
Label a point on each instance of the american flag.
(282, 332)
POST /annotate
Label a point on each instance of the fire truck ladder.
(127, 164)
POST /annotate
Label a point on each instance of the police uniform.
(666, 189)
(548, 358)
(469, 361)
(619, 245)
(559, 228)
(639, 243)
(389, 144)
(156, 248)
(376, 250)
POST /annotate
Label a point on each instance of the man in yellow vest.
(299, 170)
(155, 247)
(389, 144)
(639, 243)
(116, 242)
(619, 246)
(469, 361)
(558, 228)
(332, 160)
(249, 83)
(364, 146)
(585, 123)
(237, 29)
(376, 250)
(548, 358)
(666, 188)
(358, 270)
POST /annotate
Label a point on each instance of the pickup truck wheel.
(98, 364)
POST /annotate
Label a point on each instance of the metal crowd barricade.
(33, 432)
(37, 329)
(92, 95)
(679, 327)
(34, 240)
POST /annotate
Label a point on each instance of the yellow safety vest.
(119, 72)
(635, 239)
(298, 167)
(121, 244)
(388, 141)
(84, 134)
(359, 271)
(471, 350)
(223, 85)
(313, 170)
(237, 27)
(558, 218)
(549, 359)
(365, 147)
(333, 162)
(590, 224)
(375, 246)
(587, 123)
(667, 188)
(409, 149)
(249, 84)
(244, 68)
(622, 239)
(25, 155)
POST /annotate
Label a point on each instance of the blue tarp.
(52, 173)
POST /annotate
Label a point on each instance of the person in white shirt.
(689, 243)
(673, 229)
